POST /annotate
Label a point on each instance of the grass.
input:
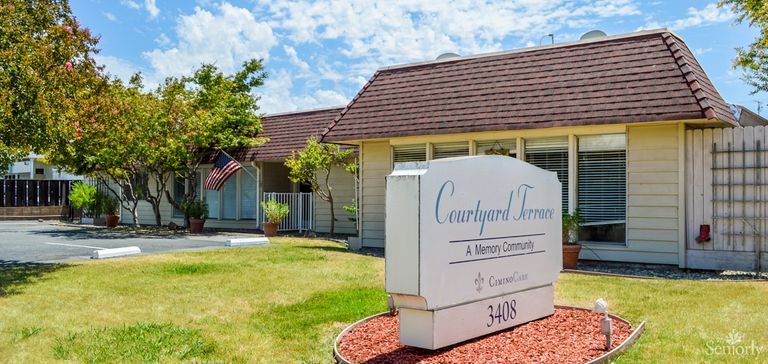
(286, 302)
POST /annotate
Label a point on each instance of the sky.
(320, 53)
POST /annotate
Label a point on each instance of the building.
(237, 204)
(608, 114)
(34, 167)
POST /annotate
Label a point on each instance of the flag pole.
(242, 167)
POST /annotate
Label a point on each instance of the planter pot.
(570, 255)
(196, 225)
(112, 220)
(270, 229)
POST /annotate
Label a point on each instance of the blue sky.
(319, 53)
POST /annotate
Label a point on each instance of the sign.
(473, 246)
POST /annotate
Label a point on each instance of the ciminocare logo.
(479, 281)
(734, 344)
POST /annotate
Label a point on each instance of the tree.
(46, 71)
(314, 164)
(204, 113)
(754, 59)
(110, 140)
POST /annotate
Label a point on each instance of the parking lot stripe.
(77, 246)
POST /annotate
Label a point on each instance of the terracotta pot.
(570, 255)
(196, 225)
(270, 229)
(112, 220)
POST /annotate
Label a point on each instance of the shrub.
(84, 196)
(195, 208)
(274, 211)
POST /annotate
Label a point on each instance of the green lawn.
(286, 303)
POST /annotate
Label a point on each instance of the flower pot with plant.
(83, 197)
(111, 207)
(571, 249)
(197, 210)
(274, 212)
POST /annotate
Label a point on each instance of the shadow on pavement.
(104, 234)
(15, 274)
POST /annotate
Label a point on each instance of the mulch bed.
(568, 336)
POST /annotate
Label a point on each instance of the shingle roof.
(638, 77)
(287, 132)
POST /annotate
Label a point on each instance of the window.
(448, 150)
(497, 147)
(409, 153)
(179, 191)
(602, 187)
(550, 154)
(248, 193)
(39, 171)
(229, 198)
(211, 196)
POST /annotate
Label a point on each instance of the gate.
(727, 190)
(300, 207)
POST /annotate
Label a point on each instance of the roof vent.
(448, 55)
(592, 34)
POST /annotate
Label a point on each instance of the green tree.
(204, 113)
(753, 60)
(46, 71)
(313, 165)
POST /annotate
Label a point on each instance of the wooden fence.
(727, 189)
(31, 193)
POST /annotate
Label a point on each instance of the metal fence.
(300, 210)
(25, 193)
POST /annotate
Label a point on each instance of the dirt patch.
(568, 336)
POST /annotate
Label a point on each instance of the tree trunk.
(135, 213)
(333, 214)
(156, 210)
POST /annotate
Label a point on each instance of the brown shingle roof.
(287, 132)
(639, 77)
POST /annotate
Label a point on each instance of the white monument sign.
(473, 246)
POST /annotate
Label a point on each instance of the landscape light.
(606, 324)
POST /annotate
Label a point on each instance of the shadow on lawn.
(14, 274)
(373, 252)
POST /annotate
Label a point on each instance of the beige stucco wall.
(343, 184)
(653, 215)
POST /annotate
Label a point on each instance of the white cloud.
(152, 9)
(700, 51)
(708, 15)
(415, 30)
(131, 4)
(110, 16)
(295, 60)
(117, 67)
(277, 95)
(162, 40)
(225, 38)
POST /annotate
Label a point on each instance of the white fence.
(300, 207)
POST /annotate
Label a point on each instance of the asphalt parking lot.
(50, 242)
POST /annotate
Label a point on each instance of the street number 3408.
(502, 312)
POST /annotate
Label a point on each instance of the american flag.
(223, 168)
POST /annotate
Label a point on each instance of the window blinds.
(550, 154)
(483, 147)
(448, 150)
(602, 178)
(409, 153)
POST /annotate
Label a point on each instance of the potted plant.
(198, 211)
(571, 249)
(111, 207)
(274, 212)
(83, 196)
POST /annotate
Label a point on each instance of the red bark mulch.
(568, 336)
